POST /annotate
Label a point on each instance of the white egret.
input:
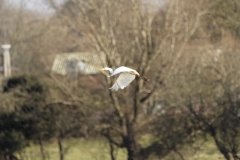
(127, 75)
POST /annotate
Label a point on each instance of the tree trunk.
(222, 149)
(61, 154)
(41, 147)
(235, 156)
(131, 148)
(131, 144)
(112, 151)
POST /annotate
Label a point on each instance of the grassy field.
(76, 149)
(199, 151)
(98, 149)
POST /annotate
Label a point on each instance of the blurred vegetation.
(224, 16)
(188, 49)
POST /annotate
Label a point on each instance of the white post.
(6, 60)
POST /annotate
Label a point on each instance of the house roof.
(92, 61)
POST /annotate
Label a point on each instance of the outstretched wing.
(123, 80)
(121, 69)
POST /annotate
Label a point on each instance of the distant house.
(78, 63)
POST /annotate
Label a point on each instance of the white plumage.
(123, 80)
(127, 75)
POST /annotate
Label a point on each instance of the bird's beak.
(106, 73)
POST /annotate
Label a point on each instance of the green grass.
(75, 149)
(201, 150)
(208, 151)
(98, 149)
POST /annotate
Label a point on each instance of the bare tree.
(147, 37)
(210, 95)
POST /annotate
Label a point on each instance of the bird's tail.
(145, 78)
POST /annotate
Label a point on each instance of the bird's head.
(106, 71)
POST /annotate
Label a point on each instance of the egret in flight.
(127, 75)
